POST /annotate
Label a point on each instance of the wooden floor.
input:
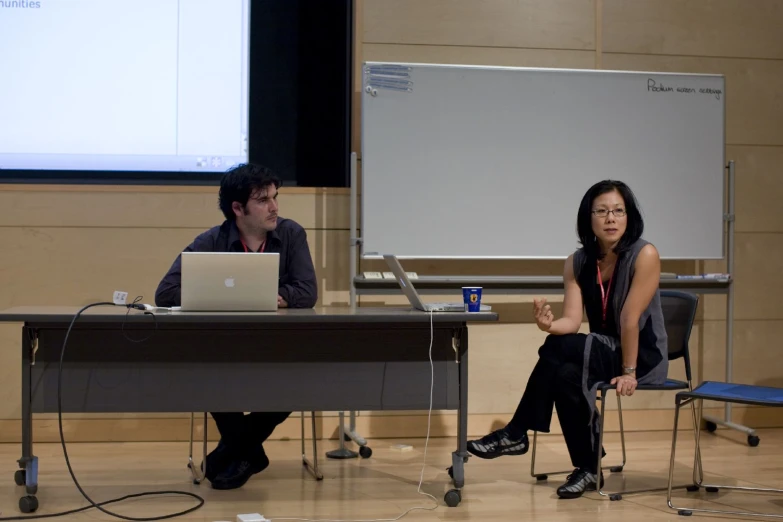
(385, 485)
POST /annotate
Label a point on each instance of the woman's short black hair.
(584, 222)
(240, 182)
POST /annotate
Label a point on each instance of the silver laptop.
(229, 281)
(413, 296)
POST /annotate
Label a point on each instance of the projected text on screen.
(142, 85)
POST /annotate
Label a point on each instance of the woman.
(614, 276)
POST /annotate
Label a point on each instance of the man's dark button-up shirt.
(297, 284)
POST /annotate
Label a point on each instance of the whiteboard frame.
(367, 90)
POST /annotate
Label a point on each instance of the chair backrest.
(679, 313)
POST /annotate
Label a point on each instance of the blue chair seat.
(739, 393)
(721, 392)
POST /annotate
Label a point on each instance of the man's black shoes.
(234, 473)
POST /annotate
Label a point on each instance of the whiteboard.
(492, 162)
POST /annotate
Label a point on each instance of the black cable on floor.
(93, 504)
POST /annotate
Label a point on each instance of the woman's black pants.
(556, 381)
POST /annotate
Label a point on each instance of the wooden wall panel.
(156, 207)
(759, 284)
(757, 354)
(10, 370)
(758, 187)
(73, 266)
(712, 307)
(757, 276)
(726, 28)
(542, 24)
(501, 359)
(712, 346)
(503, 56)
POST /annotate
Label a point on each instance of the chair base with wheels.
(198, 472)
(721, 392)
(753, 439)
(346, 436)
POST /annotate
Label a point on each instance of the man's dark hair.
(240, 182)
(584, 224)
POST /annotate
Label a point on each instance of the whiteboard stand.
(439, 121)
(354, 241)
(713, 422)
(350, 434)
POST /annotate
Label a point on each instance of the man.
(248, 200)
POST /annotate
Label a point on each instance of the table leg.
(27, 474)
(460, 457)
(312, 467)
(200, 474)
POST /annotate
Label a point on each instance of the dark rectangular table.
(323, 359)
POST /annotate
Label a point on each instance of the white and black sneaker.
(498, 443)
(578, 482)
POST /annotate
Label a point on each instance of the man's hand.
(542, 314)
(281, 302)
(626, 384)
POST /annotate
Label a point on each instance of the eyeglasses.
(602, 212)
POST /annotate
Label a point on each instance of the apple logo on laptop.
(229, 282)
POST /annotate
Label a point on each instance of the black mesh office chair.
(679, 312)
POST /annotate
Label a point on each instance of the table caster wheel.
(753, 441)
(712, 490)
(365, 452)
(541, 478)
(711, 426)
(616, 469)
(28, 504)
(692, 488)
(684, 512)
(616, 496)
(20, 477)
(453, 497)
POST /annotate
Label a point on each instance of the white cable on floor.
(423, 465)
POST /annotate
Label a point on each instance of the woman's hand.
(626, 384)
(543, 315)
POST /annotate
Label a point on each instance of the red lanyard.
(263, 244)
(604, 295)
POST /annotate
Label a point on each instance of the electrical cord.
(135, 305)
(423, 464)
(93, 504)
